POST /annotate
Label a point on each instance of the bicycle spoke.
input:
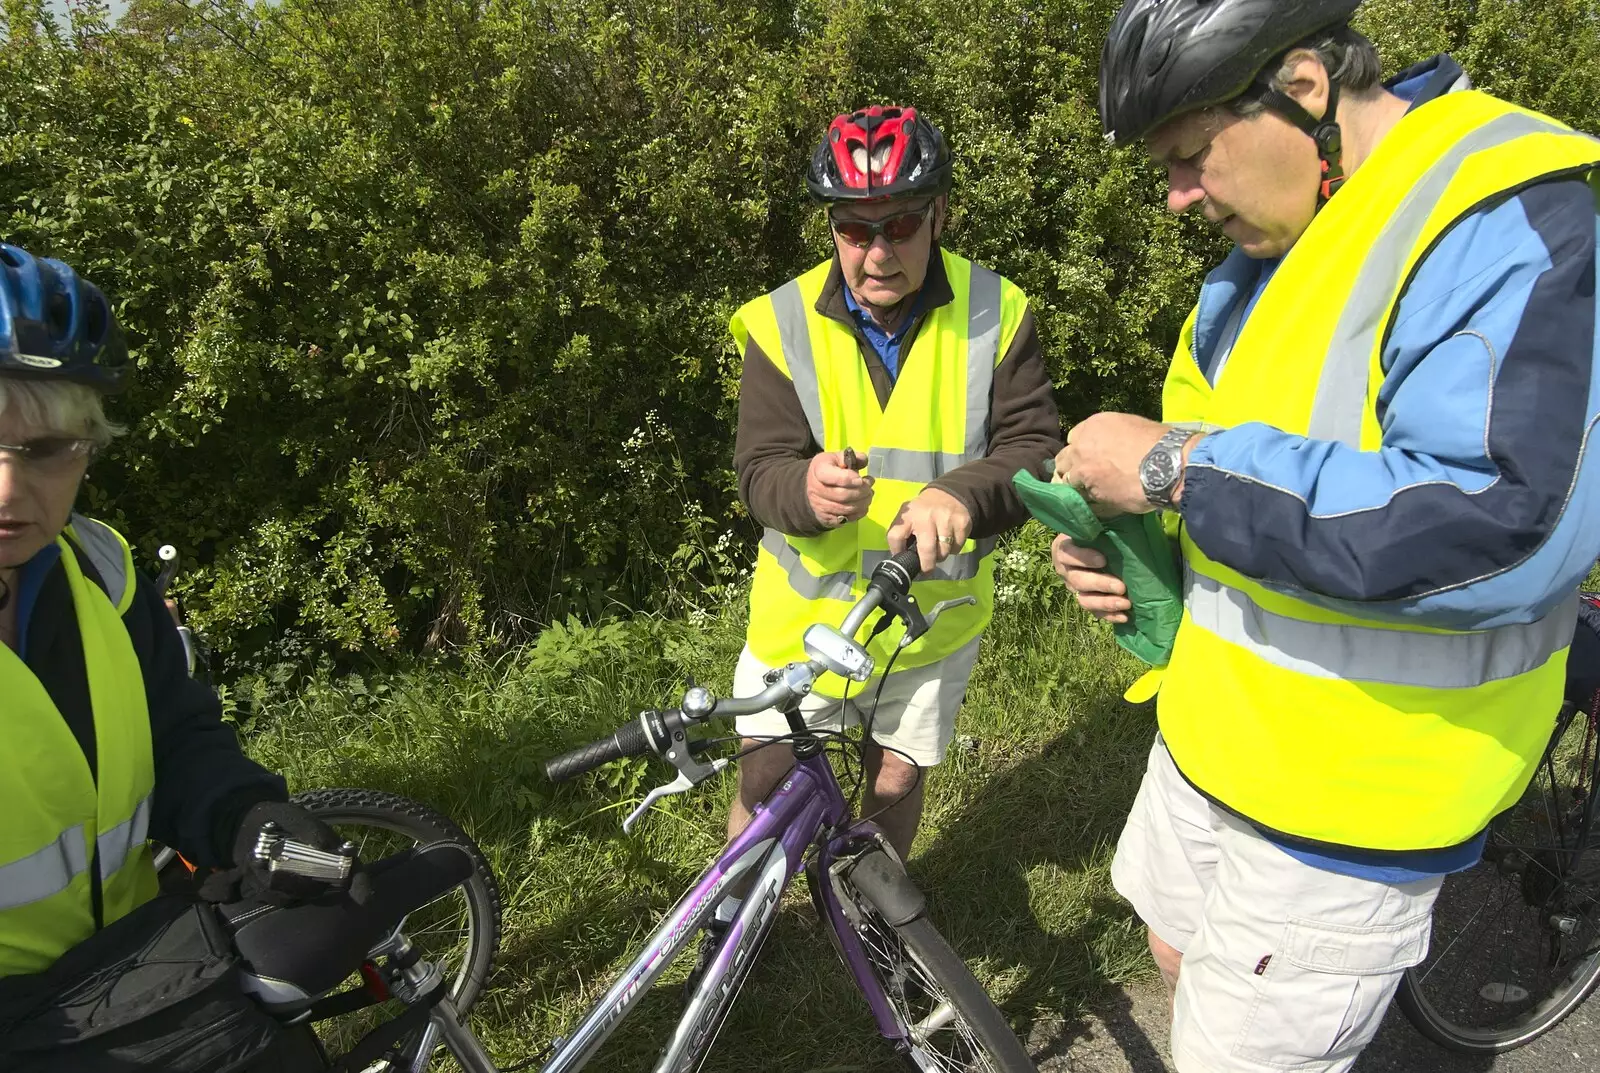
(1515, 936)
(939, 1039)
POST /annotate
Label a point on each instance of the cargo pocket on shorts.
(1323, 992)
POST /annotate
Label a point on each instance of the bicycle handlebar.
(630, 739)
(652, 730)
(169, 568)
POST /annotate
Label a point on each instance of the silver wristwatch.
(1162, 468)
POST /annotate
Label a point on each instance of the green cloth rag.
(1136, 550)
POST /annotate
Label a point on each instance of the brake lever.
(681, 785)
(904, 607)
(691, 770)
(941, 607)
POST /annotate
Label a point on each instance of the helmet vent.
(58, 314)
(96, 316)
(880, 156)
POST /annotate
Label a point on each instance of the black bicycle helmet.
(879, 152)
(55, 325)
(1163, 58)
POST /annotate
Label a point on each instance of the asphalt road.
(1128, 1034)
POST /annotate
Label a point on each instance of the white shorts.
(1285, 966)
(916, 714)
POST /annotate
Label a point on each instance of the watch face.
(1158, 471)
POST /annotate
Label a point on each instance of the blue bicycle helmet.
(55, 325)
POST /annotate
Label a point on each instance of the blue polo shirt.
(885, 344)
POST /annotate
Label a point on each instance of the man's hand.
(1101, 460)
(836, 492)
(1101, 594)
(940, 522)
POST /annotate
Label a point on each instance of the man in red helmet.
(888, 394)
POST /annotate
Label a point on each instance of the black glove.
(252, 880)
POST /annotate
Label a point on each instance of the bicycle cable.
(916, 781)
(859, 786)
(866, 735)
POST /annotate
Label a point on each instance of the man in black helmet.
(1372, 449)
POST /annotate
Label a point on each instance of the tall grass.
(1014, 851)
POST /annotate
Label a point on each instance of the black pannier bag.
(157, 990)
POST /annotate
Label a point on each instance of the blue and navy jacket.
(1482, 507)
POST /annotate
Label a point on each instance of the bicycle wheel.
(1516, 938)
(951, 1023)
(459, 932)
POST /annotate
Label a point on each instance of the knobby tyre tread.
(425, 824)
(946, 968)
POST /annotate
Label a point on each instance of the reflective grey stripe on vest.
(1341, 399)
(118, 844)
(837, 586)
(983, 350)
(1371, 654)
(963, 567)
(900, 464)
(811, 586)
(44, 872)
(105, 553)
(789, 307)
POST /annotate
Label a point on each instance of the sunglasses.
(49, 454)
(901, 227)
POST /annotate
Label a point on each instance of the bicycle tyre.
(916, 964)
(1498, 995)
(1438, 1029)
(423, 824)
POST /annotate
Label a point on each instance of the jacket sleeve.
(773, 448)
(204, 782)
(1481, 507)
(1024, 431)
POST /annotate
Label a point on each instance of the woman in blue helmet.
(105, 740)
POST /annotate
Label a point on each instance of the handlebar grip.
(908, 561)
(628, 740)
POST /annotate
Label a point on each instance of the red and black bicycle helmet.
(879, 152)
(56, 325)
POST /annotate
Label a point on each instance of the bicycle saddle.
(292, 955)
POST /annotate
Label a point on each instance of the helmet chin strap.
(1324, 132)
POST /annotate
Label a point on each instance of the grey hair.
(1349, 58)
(58, 406)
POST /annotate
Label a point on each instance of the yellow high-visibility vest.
(937, 419)
(59, 825)
(1324, 726)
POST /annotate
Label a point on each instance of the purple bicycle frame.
(792, 819)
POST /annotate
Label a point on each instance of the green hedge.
(429, 296)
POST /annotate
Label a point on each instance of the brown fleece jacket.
(774, 444)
